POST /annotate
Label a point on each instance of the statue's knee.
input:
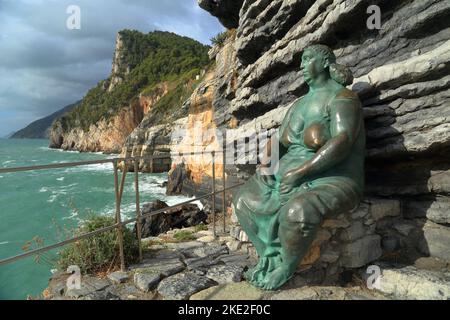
(300, 213)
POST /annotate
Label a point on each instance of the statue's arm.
(346, 122)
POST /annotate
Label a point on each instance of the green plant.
(184, 236)
(201, 227)
(220, 38)
(149, 59)
(98, 253)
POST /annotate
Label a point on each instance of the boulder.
(414, 284)
(181, 286)
(181, 217)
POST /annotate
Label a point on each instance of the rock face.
(106, 135)
(151, 73)
(185, 216)
(413, 284)
(226, 11)
(402, 75)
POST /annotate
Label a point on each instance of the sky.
(45, 66)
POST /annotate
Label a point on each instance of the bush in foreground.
(101, 252)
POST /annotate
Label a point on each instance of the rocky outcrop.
(152, 74)
(401, 75)
(226, 11)
(40, 129)
(120, 67)
(176, 218)
(109, 135)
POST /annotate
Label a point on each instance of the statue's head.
(319, 62)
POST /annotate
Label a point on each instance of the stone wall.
(402, 75)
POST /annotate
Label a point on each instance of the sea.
(39, 207)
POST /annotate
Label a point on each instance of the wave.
(3, 243)
(60, 179)
(8, 162)
(100, 167)
(52, 198)
(73, 216)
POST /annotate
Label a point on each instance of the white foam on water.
(3, 243)
(1, 177)
(52, 198)
(43, 189)
(68, 151)
(100, 167)
(60, 179)
(73, 216)
(8, 162)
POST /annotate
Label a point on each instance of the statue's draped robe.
(258, 204)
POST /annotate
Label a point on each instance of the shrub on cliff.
(219, 39)
(148, 59)
(98, 253)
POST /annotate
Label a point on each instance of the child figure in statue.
(320, 172)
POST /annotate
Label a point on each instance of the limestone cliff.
(402, 74)
(155, 70)
(107, 135)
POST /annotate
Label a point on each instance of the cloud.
(45, 66)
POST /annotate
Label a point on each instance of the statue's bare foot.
(277, 278)
(271, 263)
(254, 273)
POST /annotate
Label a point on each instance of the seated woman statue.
(320, 172)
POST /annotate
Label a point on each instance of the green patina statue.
(320, 172)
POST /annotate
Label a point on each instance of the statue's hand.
(285, 188)
(290, 180)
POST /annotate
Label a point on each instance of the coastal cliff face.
(106, 135)
(151, 73)
(402, 74)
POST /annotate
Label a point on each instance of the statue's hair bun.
(338, 72)
(341, 74)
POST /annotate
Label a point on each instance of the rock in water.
(177, 176)
(181, 217)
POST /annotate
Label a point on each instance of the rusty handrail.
(118, 195)
(91, 162)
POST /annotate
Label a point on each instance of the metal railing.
(119, 188)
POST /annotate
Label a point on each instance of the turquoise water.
(41, 203)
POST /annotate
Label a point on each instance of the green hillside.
(39, 129)
(152, 58)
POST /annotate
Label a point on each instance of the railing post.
(118, 216)
(214, 191)
(138, 207)
(224, 163)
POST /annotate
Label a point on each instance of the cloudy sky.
(44, 66)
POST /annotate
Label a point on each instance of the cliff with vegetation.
(40, 129)
(151, 73)
(402, 77)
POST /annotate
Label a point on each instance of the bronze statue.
(321, 171)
